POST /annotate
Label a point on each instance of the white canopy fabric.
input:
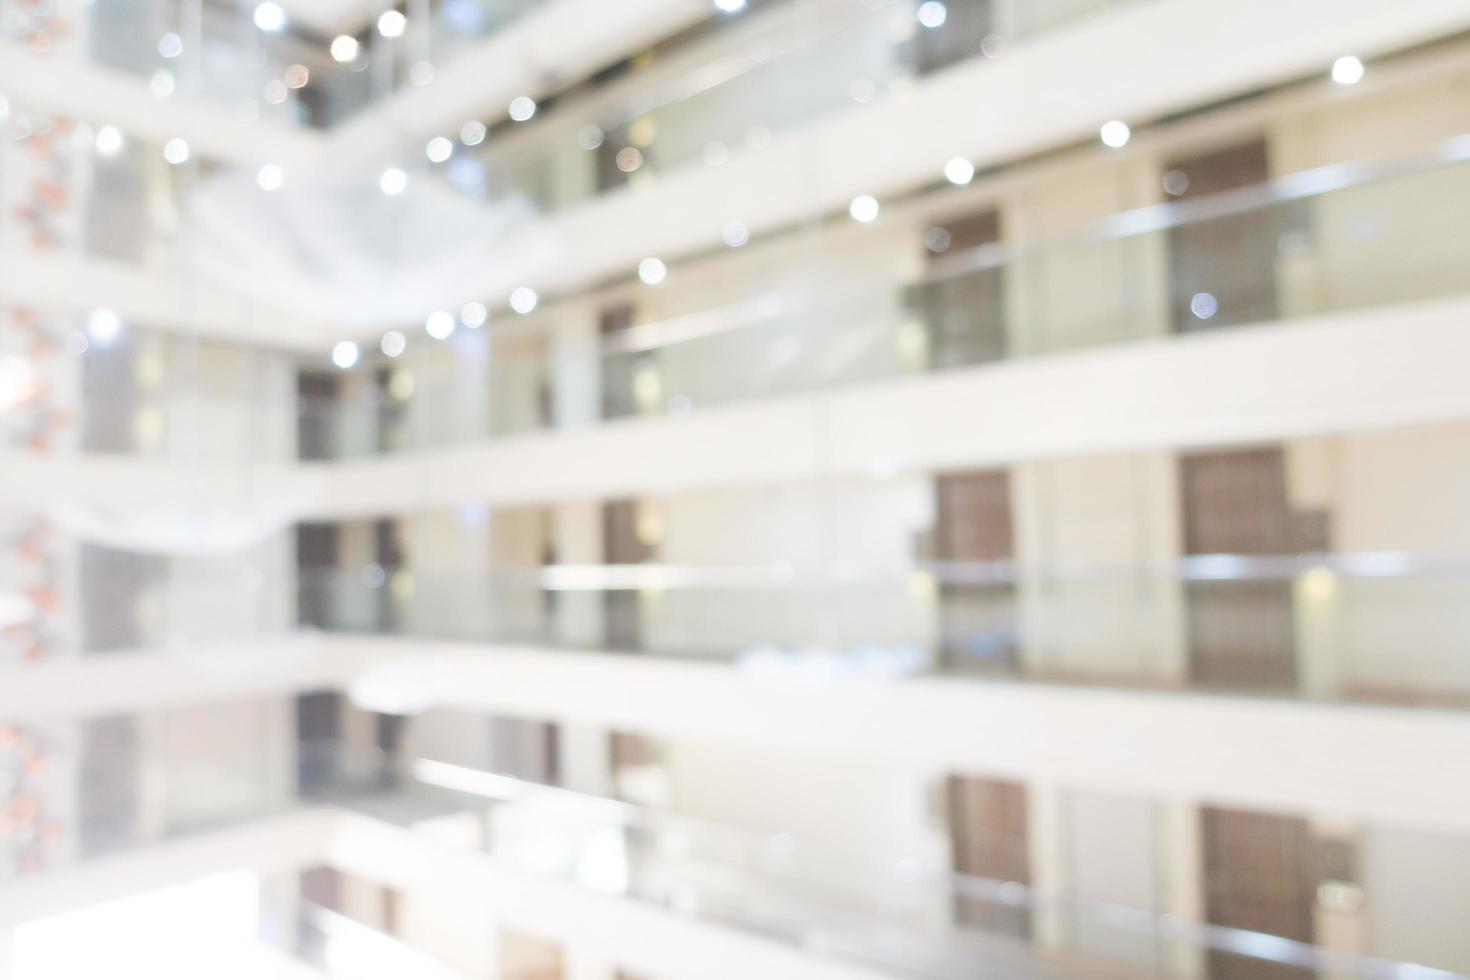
(348, 254)
(15, 609)
(174, 531)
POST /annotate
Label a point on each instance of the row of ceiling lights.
(1115, 133)
(1346, 70)
(441, 324)
(864, 208)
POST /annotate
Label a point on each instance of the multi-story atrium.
(730, 489)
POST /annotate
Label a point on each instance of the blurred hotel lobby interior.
(734, 489)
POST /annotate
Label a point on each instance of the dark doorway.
(973, 542)
(114, 589)
(966, 25)
(619, 368)
(1242, 633)
(109, 777)
(316, 405)
(1259, 875)
(621, 545)
(964, 313)
(988, 839)
(317, 557)
(1222, 271)
(318, 740)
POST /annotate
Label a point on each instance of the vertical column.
(1031, 508)
(1046, 843)
(585, 764)
(579, 614)
(585, 758)
(1182, 884)
(576, 368)
(450, 558)
(1340, 914)
(357, 601)
(1160, 531)
(1318, 595)
(576, 378)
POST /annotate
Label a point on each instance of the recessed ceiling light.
(392, 181)
(392, 23)
(345, 48)
(959, 171)
(1347, 70)
(270, 17)
(345, 354)
(523, 299)
(104, 326)
(522, 107)
(1115, 133)
(473, 315)
(653, 271)
(109, 141)
(932, 14)
(472, 133)
(270, 176)
(863, 208)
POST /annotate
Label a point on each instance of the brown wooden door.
(618, 368)
(988, 839)
(1260, 875)
(392, 413)
(966, 25)
(964, 314)
(1222, 270)
(318, 555)
(316, 399)
(621, 545)
(1241, 633)
(973, 525)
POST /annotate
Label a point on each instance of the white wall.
(809, 529)
(1401, 491)
(1417, 894)
(1113, 511)
(215, 763)
(853, 822)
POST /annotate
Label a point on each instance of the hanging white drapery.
(344, 252)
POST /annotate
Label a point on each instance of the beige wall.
(853, 822)
(1401, 491)
(1392, 240)
(1100, 515)
(807, 529)
(203, 766)
(1416, 893)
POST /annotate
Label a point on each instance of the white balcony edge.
(1368, 369)
(1337, 760)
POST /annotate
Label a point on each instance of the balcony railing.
(1337, 239)
(1345, 627)
(222, 53)
(897, 917)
